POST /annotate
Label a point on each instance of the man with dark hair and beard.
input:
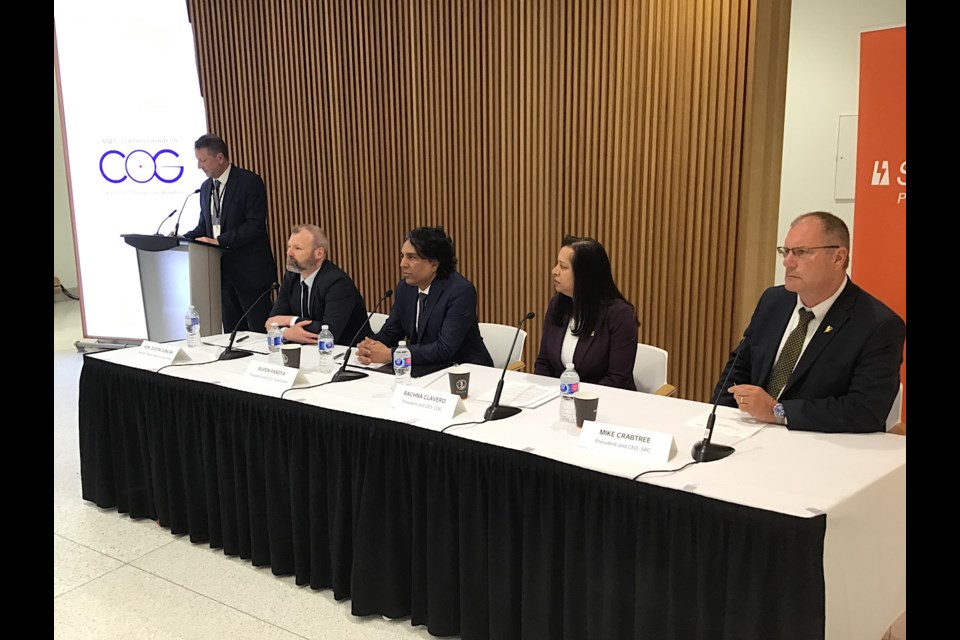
(435, 309)
(315, 292)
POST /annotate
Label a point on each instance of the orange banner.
(880, 205)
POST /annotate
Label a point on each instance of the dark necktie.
(789, 355)
(304, 300)
(216, 201)
(421, 299)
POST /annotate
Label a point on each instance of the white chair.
(497, 339)
(894, 416)
(376, 321)
(650, 371)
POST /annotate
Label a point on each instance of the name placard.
(275, 377)
(423, 403)
(627, 442)
(162, 354)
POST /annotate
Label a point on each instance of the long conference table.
(505, 529)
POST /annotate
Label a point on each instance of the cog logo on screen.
(140, 166)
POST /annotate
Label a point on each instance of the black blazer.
(334, 301)
(247, 262)
(604, 357)
(848, 376)
(448, 323)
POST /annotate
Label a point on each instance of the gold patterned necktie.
(789, 355)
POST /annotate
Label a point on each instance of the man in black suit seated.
(233, 216)
(315, 292)
(844, 373)
(435, 309)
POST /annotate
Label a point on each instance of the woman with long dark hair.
(588, 322)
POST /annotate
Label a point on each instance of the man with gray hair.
(315, 292)
(820, 354)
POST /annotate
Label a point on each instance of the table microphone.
(342, 375)
(706, 451)
(176, 227)
(496, 411)
(167, 217)
(229, 353)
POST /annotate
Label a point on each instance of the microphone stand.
(496, 411)
(706, 451)
(176, 227)
(229, 353)
(342, 375)
(169, 215)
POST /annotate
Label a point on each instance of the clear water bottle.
(569, 383)
(274, 339)
(192, 323)
(401, 363)
(325, 345)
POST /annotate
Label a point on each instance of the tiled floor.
(120, 578)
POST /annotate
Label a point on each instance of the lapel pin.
(828, 329)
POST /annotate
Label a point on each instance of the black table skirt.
(466, 538)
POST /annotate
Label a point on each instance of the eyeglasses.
(802, 252)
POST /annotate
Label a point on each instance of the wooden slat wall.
(512, 124)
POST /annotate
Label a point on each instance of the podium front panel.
(204, 278)
(163, 278)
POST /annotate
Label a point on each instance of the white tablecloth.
(857, 480)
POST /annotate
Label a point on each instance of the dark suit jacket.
(334, 301)
(604, 357)
(448, 323)
(847, 377)
(247, 264)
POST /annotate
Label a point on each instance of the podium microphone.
(176, 227)
(706, 451)
(342, 375)
(229, 353)
(496, 411)
(167, 217)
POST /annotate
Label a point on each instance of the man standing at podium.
(316, 292)
(233, 216)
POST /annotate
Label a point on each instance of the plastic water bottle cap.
(402, 343)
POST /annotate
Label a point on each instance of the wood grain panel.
(652, 126)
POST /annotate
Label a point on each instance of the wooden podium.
(168, 263)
